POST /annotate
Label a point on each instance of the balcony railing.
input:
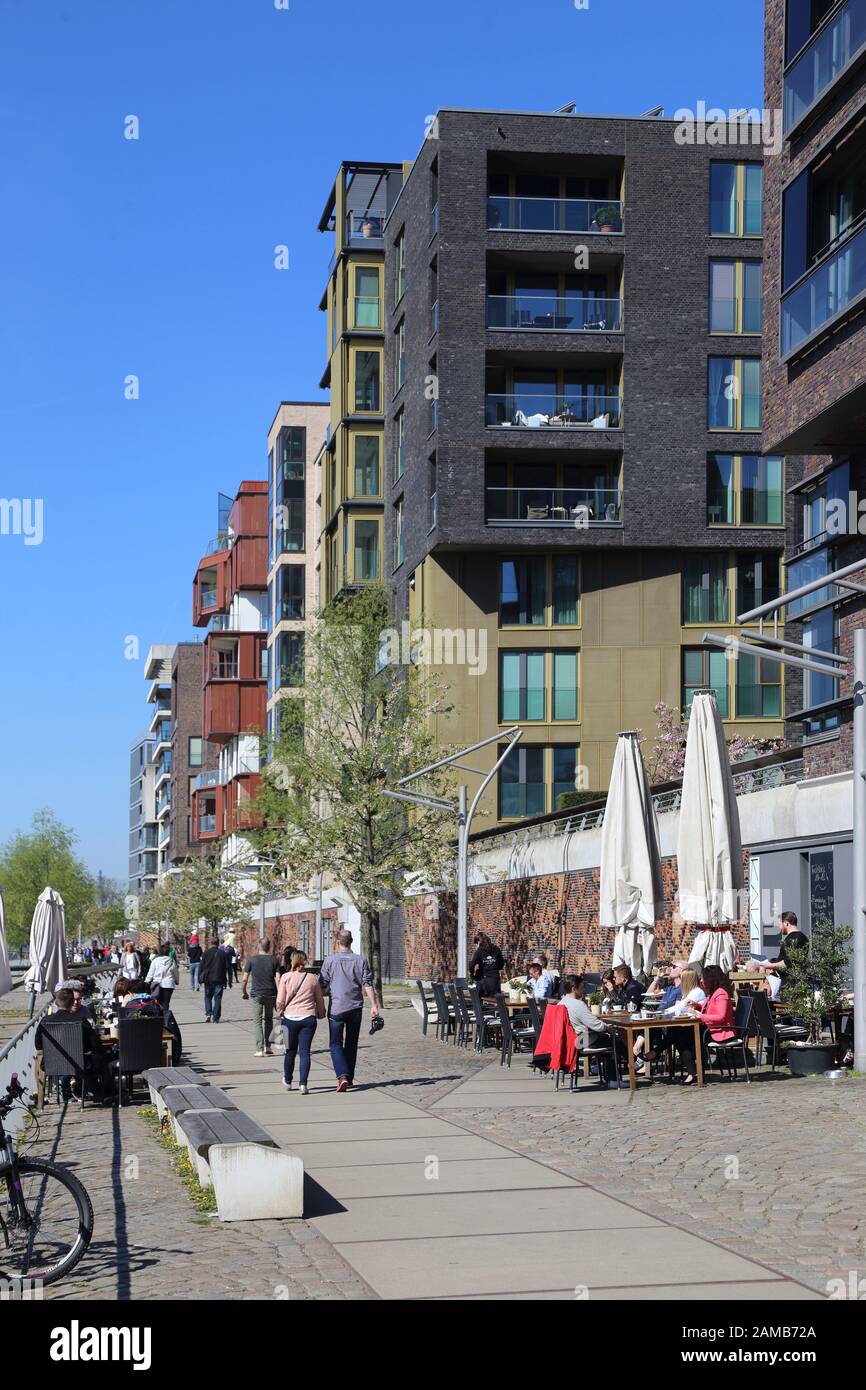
(207, 825)
(207, 598)
(552, 506)
(554, 214)
(828, 289)
(571, 411)
(224, 671)
(219, 543)
(827, 53)
(207, 779)
(570, 314)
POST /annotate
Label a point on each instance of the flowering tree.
(666, 760)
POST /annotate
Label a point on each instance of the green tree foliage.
(816, 979)
(37, 859)
(201, 890)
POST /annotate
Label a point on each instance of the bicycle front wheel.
(51, 1238)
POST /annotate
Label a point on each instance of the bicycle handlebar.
(14, 1092)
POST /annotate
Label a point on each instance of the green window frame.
(706, 588)
(367, 297)
(703, 668)
(522, 691)
(745, 490)
(734, 394)
(367, 448)
(758, 688)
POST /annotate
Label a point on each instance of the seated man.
(540, 982)
(591, 1030)
(626, 989)
(95, 1064)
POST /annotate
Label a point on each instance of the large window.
(759, 688)
(821, 632)
(367, 296)
(289, 663)
(735, 296)
(195, 752)
(745, 490)
(704, 669)
(366, 553)
(825, 507)
(818, 52)
(534, 777)
(366, 465)
(290, 593)
(734, 393)
(539, 591)
(705, 589)
(735, 199)
(758, 580)
(538, 686)
(368, 379)
(293, 446)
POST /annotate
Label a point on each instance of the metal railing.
(826, 54)
(207, 825)
(533, 312)
(551, 506)
(554, 214)
(827, 289)
(573, 410)
(207, 779)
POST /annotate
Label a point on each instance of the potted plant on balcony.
(607, 218)
(815, 985)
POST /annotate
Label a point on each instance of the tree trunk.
(371, 947)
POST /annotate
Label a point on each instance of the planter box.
(810, 1059)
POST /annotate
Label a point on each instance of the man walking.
(346, 978)
(214, 973)
(260, 978)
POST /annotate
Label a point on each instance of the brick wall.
(285, 930)
(552, 912)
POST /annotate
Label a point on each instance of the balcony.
(554, 313)
(207, 825)
(830, 50)
(573, 411)
(578, 508)
(207, 779)
(825, 291)
(554, 215)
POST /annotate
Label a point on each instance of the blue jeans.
(213, 1002)
(194, 974)
(299, 1038)
(344, 1030)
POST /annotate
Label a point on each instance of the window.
(367, 296)
(539, 591)
(565, 692)
(289, 648)
(366, 553)
(825, 507)
(432, 391)
(195, 752)
(400, 355)
(818, 53)
(734, 393)
(400, 267)
(534, 777)
(566, 773)
(757, 580)
(705, 589)
(368, 374)
(759, 688)
(745, 490)
(432, 504)
(399, 554)
(815, 564)
(366, 465)
(290, 593)
(538, 686)
(293, 441)
(735, 296)
(703, 669)
(735, 199)
(822, 632)
(399, 445)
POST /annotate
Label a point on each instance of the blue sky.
(155, 257)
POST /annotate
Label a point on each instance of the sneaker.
(288, 1085)
(303, 1090)
(269, 1052)
(208, 1019)
(259, 1054)
(343, 1084)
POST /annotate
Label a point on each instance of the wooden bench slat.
(202, 1128)
(160, 1077)
(178, 1099)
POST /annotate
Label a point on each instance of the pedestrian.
(486, 965)
(260, 980)
(194, 954)
(162, 977)
(228, 951)
(346, 978)
(286, 964)
(214, 972)
(130, 962)
(301, 1004)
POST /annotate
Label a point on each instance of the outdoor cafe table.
(629, 1027)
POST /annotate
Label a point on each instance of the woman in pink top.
(301, 1004)
(717, 1014)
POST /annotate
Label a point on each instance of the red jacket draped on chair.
(557, 1039)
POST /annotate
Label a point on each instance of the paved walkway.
(422, 1205)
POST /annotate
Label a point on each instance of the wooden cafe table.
(628, 1027)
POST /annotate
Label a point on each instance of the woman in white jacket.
(162, 977)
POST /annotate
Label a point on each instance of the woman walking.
(301, 1004)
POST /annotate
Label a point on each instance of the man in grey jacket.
(346, 978)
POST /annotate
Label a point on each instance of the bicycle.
(46, 1217)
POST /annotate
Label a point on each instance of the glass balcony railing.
(207, 598)
(575, 410)
(825, 292)
(827, 53)
(554, 214)
(551, 506)
(224, 671)
(207, 825)
(207, 779)
(569, 314)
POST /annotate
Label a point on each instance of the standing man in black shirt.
(791, 936)
(260, 976)
(214, 974)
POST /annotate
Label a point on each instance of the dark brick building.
(190, 754)
(814, 365)
(574, 481)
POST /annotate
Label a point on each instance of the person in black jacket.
(194, 954)
(214, 975)
(486, 965)
(625, 988)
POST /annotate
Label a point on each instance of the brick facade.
(186, 715)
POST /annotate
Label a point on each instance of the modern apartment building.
(142, 818)
(814, 367)
(230, 600)
(295, 443)
(157, 673)
(352, 464)
(575, 485)
(191, 754)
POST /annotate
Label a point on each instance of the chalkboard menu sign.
(821, 890)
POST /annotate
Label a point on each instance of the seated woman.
(691, 997)
(717, 1014)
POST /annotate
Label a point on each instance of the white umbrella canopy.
(631, 895)
(709, 849)
(5, 972)
(47, 943)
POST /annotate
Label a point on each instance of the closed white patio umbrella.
(47, 945)
(709, 850)
(631, 896)
(5, 972)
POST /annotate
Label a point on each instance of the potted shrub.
(815, 984)
(607, 218)
(518, 990)
(595, 1001)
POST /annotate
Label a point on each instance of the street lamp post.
(464, 813)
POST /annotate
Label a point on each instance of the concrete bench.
(253, 1178)
(177, 1100)
(157, 1078)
